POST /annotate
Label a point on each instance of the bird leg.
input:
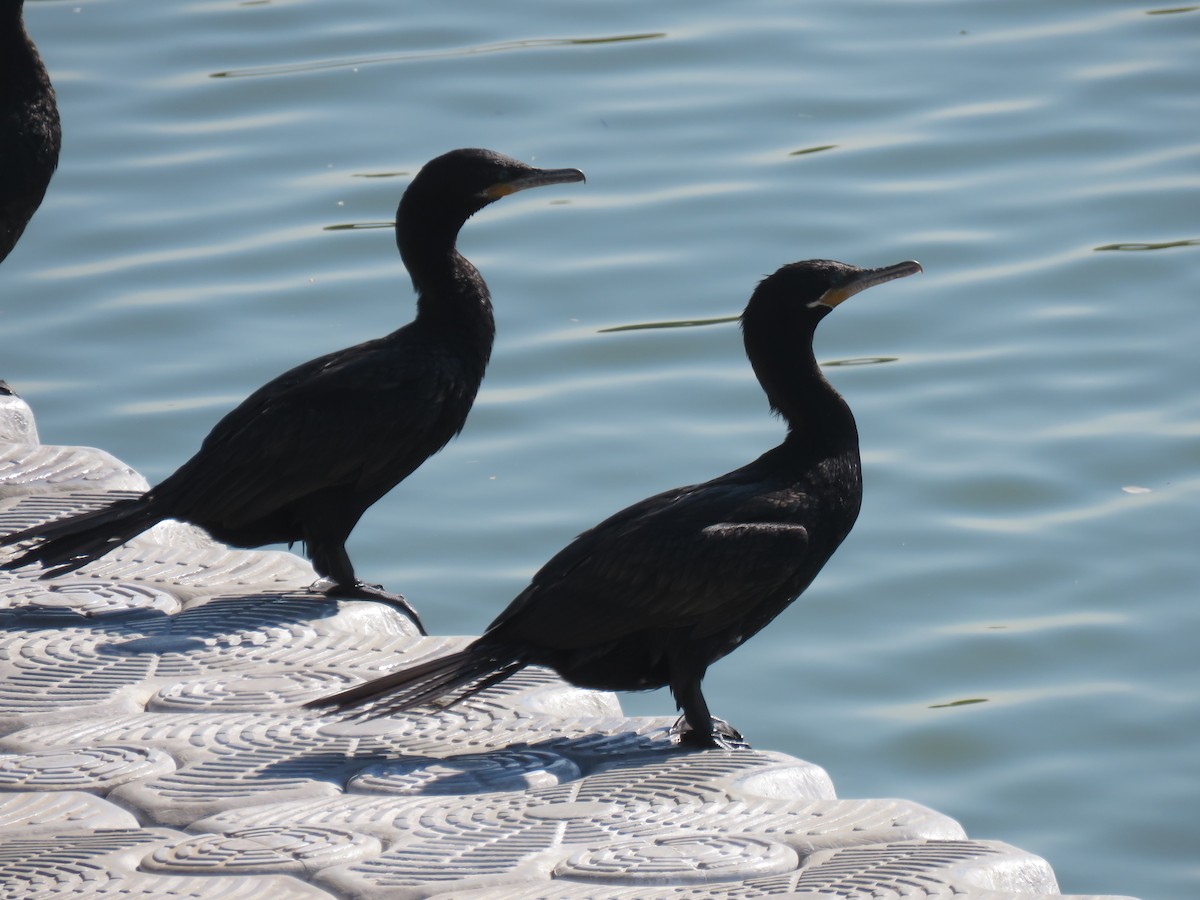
(697, 727)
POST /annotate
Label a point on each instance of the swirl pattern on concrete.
(162, 685)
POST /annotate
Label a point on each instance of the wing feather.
(695, 557)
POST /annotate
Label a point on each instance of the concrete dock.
(152, 745)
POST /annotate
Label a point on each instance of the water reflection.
(1165, 245)
(358, 226)
(861, 361)
(808, 150)
(1033, 624)
(966, 702)
(680, 323)
(721, 320)
(919, 711)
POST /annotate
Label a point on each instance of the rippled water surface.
(1009, 635)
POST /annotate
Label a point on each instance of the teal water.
(1009, 633)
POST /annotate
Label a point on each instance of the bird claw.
(722, 737)
(375, 592)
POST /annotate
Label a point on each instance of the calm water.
(1008, 635)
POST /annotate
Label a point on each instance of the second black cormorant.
(655, 594)
(30, 135)
(302, 458)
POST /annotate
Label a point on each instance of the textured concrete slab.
(23, 814)
(152, 745)
(17, 425)
(109, 863)
(34, 469)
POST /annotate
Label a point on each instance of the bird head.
(779, 321)
(800, 294)
(453, 187)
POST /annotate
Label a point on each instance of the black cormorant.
(302, 458)
(655, 594)
(30, 135)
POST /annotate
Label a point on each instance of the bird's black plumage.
(30, 135)
(302, 458)
(655, 594)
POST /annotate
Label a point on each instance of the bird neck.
(19, 60)
(819, 421)
(452, 297)
(15, 43)
(12, 13)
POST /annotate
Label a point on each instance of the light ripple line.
(503, 46)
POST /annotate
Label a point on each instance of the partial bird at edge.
(32, 134)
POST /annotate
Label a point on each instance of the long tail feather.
(475, 668)
(65, 545)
